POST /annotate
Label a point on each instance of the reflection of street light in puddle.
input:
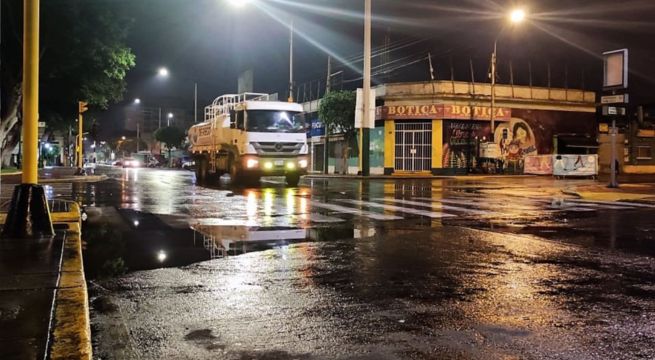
(161, 256)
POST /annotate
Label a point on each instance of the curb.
(88, 178)
(71, 327)
(415, 177)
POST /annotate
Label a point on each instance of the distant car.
(131, 163)
(189, 165)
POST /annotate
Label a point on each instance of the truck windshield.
(275, 121)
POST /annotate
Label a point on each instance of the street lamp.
(162, 72)
(137, 101)
(515, 17)
(169, 117)
(243, 3)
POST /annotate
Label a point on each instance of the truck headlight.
(303, 163)
(291, 166)
(252, 163)
(268, 165)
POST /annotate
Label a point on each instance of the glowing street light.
(238, 3)
(162, 72)
(137, 101)
(516, 16)
(169, 116)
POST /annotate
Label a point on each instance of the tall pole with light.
(516, 16)
(291, 61)
(365, 155)
(243, 3)
(29, 215)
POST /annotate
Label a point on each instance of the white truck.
(249, 136)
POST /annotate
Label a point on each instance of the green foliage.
(84, 55)
(170, 136)
(337, 112)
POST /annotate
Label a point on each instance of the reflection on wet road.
(368, 270)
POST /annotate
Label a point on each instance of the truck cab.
(250, 136)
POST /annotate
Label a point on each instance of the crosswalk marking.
(432, 205)
(347, 210)
(434, 215)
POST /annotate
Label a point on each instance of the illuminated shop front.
(442, 129)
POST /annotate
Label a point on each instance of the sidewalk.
(44, 310)
(626, 192)
(53, 175)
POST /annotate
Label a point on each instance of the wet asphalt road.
(344, 269)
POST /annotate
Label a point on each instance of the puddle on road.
(149, 243)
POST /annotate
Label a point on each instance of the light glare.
(517, 16)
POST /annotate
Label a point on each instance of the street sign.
(613, 110)
(614, 99)
(615, 66)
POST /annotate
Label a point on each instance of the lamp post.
(169, 117)
(365, 155)
(516, 17)
(163, 73)
(241, 4)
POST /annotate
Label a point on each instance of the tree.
(83, 57)
(171, 137)
(337, 112)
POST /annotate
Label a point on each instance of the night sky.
(209, 42)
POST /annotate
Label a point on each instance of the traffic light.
(83, 107)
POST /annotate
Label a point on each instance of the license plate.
(279, 162)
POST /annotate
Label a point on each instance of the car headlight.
(303, 163)
(252, 163)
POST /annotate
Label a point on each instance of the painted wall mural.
(516, 140)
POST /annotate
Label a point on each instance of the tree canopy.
(170, 136)
(84, 56)
(337, 112)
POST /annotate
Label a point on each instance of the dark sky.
(209, 42)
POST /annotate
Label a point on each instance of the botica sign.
(441, 111)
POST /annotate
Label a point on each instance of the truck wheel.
(201, 168)
(293, 179)
(235, 177)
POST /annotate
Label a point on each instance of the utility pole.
(138, 136)
(328, 88)
(365, 155)
(291, 62)
(195, 102)
(493, 90)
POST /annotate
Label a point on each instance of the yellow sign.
(603, 127)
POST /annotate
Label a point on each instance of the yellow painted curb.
(612, 196)
(71, 337)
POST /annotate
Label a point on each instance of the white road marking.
(434, 215)
(358, 212)
(432, 205)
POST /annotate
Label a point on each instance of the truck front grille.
(277, 148)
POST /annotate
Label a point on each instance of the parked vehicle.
(250, 136)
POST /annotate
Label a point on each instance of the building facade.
(443, 127)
